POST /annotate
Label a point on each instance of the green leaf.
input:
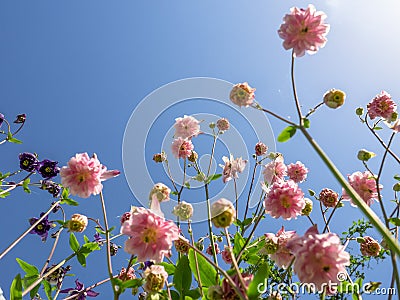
(213, 177)
(183, 275)
(133, 283)
(194, 294)
(239, 242)
(47, 289)
(306, 123)
(175, 295)
(187, 184)
(25, 185)
(81, 259)
(3, 195)
(12, 139)
(169, 268)
(208, 274)
(174, 193)
(259, 282)
(395, 221)
(86, 239)
(69, 201)
(28, 268)
(16, 288)
(4, 176)
(377, 128)
(73, 242)
(286, 134)
(397, 177)
(89, 247)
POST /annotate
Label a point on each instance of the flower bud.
(199, 245)
(215, 293)
(126, 275)
(125, 217)
(396, 187)
(209, 249)
(212, 125)
(182, 245)
(20, 119)
(222, 213)
(334, 98)
(394, 116)
(328, 197)
(365, 155)
(77, 223)
(370, 247)
(160, 191)
(359, 111)
(223, 124)
(155, 277)
(242, 94)
(183, 210)
(159, 157)
(193, 156)
(307, 208)
(260, 149)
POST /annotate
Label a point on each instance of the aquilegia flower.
(151, 237)
(84, 174)
(28, 161)
(48, 168)
(297, 172)
(319, 258)
(260, 149)
(50, 186)
(328, 197)
(222, 213)
(242, 94)
(79, 290)
(41, 229)
(283, 256)
(285, 199)
(155, 277)
(1, 119)
(304, 30)
(232, 167)
(365, 186)
(182, 148)
(186, 127)
(275, 170)
(381, 106)
(369, 246)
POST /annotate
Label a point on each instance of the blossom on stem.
(182, 148)
(209, 249)
(47, 168)
(328, 197)
(151, 236)
(50, 186)
(260, 149)
(155, 277)
(304, 30)
(369, 246)
(282, 256)
(297, 172)
(79, 291)
(84, 174)
(41, 229)
(159, 193)
(20, 119)
(319, 258)
(365, 186)
(183, 210)
(242, 94)
(222, 213)
(232, 167)
(275, 170)
(229, 291)
(28, 161)
(334, 98)
(77, 223)
(1, 119)
(285, 199)
(223, 124)
(226, 255)
(381, 106)
(186, 127)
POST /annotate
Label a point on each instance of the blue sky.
(79, 69)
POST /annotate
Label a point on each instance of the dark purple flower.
(147, 264)
(41, 229)
(28, 161)
(48, 168)
(57, 276)
(80, 290)
(20, 119)
(1, 118)
(52, 187)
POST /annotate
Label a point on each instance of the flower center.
(25, 162)
(149, 235)
(285, 201)
(326, 268)
(47, 170)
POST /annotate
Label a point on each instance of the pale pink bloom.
(209, 250)
(381, 106)
(242, 94)
(151, 237)
(370, 247)
(365, 186)
(159, 193)
(285, 199)
(84, 174)
(275, 170)
(186, 127)
(229, 293)
(223, 124)
(328, 197)
(232, 167)
(155, 277)
(396, 126)
(283, 256)
(319, 258)
(304, 30)
(297, 172)
(260, 149)
(226, 255)
(182, 148)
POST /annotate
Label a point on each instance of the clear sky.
(78, 69)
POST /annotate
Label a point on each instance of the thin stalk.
(195, 257)
(296, 99)
(236, 197)
(107, 232)
(12, 245)
(210, 227)
(331, 215)
(324, 217)
(17, 184)
(234, 262)
(89, 288)
(251, 188)
(249, 238)
(275, 115)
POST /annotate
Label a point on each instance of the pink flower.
(328, 197)
(283, 256)
(151, 237)
(381, 106)
(229, 293)
(369, 246)
(182, 148)
(396, 126)
(275, 170)
(319, 257)
(186, 127)
(304, 30)
(297, 172)
(155, 277)
(365, 186)
(260, 149)
(226, 255)
(223, 124)
(242, 94)
(232, 167)
(84, 174)
(209, 250)
(285, 199)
